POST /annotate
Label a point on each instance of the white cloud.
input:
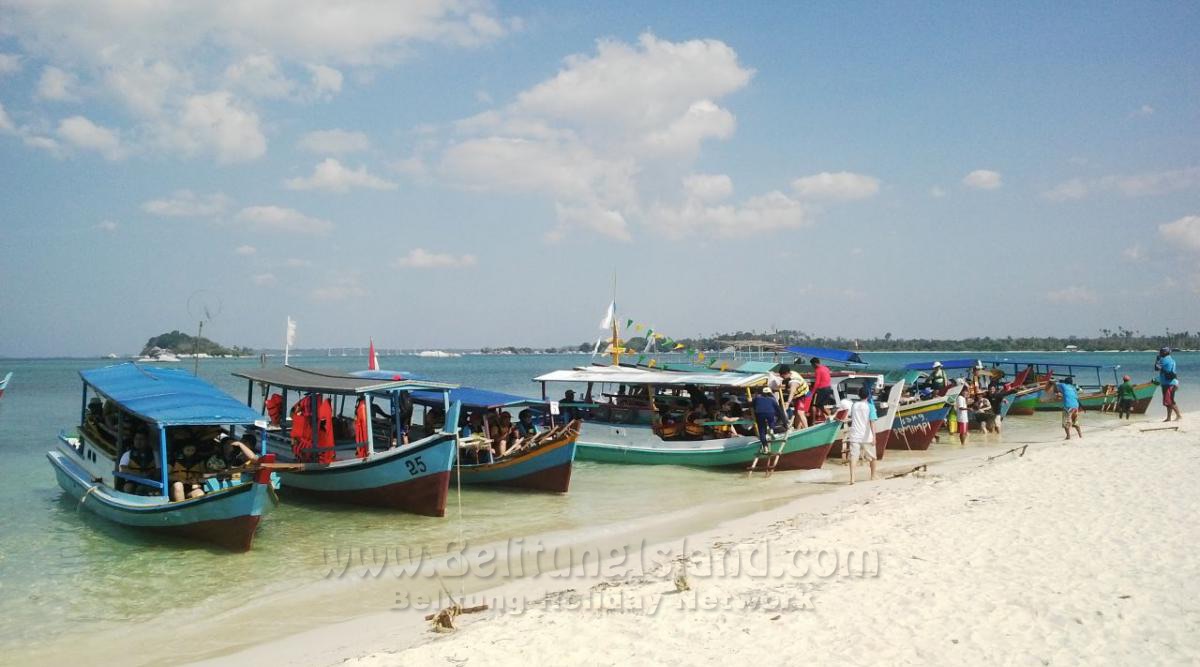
(334, 142)
(258, 75)
(839, 185)
(264, 279)
(6, 124)
(325, 82)
(10, 63)
(245, 250)
(107, 226)
(703, 120)
(214, 123)
(332, 176)
(420, 258)
(1143, 111)
(983, 179)
(186, 204)
(1068, 190)
(43, 143)
(1134, 253)
(595, 218)
(275, 219)
(1184, 232)
(297, 263)
(1072, 294)
(764, 213)
(338, 286)
(937, 192)
(84, 134)
(708, 187)
(1145, 184)
(57, 85)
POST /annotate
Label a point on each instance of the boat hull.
(415, 478)
(228, 517)
(547, 468)
(4, 383)
(803, 450)
(917, 425)
(1025, 405)
(1098, 400)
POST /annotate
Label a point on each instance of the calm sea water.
(65, 575)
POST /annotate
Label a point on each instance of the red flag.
(372, 359)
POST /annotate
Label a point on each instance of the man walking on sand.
(860, 437)
(1165, 365)
(1070, 405)
(962, 414)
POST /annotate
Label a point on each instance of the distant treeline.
(1109, 339)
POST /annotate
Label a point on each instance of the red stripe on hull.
(235, 534)
(918, 440)
(554, 480)
(424, 495)
(807, 459)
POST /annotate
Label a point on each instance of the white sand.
(1074, 553)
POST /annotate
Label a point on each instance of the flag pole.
(616, 346)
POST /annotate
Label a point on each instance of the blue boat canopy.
(948, 364)
(388, 375)
(472, 398)
(829, 354)
(167, 396)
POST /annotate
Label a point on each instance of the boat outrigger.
(145, 418)
(4, 383)
(623, 422)
(356, 459)
(539, 461)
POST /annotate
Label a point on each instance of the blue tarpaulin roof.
(388, 375)
(168, 396)
(471, 397)
(828, 354)
(948, 364)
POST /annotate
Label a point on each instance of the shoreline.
(392, 630)
(1076, 551)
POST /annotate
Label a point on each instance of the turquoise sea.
(71, 584)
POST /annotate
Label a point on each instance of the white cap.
(937, 364)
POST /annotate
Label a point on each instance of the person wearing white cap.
(937, 378)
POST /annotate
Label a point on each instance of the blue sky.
(455, 174)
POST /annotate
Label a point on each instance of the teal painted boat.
(133, 407)
(802, 449)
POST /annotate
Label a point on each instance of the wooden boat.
(164, 405)
(4, 383)
(376, 469)
(917, 424)
(619, 430)
(1104, 399)
(541, 464)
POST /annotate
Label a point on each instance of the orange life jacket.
(325, 432)
(360, 429)
(274, 407)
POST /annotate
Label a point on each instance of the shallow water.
(65, 573)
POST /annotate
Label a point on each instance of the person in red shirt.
(823, 399)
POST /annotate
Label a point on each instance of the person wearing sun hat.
(1125, 398)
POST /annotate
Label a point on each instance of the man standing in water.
(1165, 365)
(861, 435)
(1066, 392)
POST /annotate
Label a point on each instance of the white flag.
(596, 349)
(608, 319)
(291, 331)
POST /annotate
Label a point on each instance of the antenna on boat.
(203, 306)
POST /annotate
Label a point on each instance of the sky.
(458, 173)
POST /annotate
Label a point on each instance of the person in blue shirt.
(1069, 396)
(1165, 365)
(766, 415)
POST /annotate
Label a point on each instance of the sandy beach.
(1074, 552)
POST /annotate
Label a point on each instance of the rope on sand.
(1022, 449)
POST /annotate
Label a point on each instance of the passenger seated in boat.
(503, 434)
(527, 431)
(693, 426)
(568, 412)
(473, 425)
(140, 460)
(664, 423)
(734, 411)
(187, 473)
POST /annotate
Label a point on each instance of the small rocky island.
(180, 344)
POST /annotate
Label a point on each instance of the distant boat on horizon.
(438, 354)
